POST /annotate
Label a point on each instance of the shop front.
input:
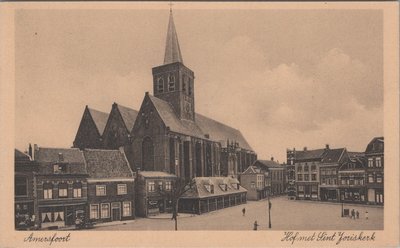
(353, 195)
(54, 217)
(329, 194)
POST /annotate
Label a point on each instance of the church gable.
(116, 133)
(88, 135)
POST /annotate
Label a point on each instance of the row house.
(110, 185)
(61, 186)
(329, 169)
(153, 190)
(352, 181)
(24, 194)
(211, 194)
(264, 178)
(374, 153)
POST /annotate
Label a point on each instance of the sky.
(284, 78)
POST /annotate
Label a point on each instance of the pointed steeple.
(172, 50)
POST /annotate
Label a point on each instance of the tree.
(179, 187)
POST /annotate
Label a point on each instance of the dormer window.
(171, 83)
(235, 185)
(224, 187)
(209, 188)
(60, 168)
(160, 85)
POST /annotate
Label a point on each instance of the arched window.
(171, 83)
(148, 154)
(160, 85)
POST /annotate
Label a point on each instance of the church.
(167, 134)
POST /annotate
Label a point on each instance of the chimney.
(35, 150)
(305, 148)
(272, 158)
(327, 146)
(30, 151)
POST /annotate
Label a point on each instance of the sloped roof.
(99, 118)
(200, 191)
(170, 119)
(358, 162)
(128, 115)
(107, 164)
(47, 157)
(251, 170)
(310, 154)
(20, 156)
(172, 49)
(203, 125)
(221, 132)
(268, 163)
(155, 174)
(376, 145)
(355, 154)
(333, 155)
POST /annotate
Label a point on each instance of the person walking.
(366, 214)
(244, 211)
(357, 214)
(255, 226)
(353, 214)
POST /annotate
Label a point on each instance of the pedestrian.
(366, 214)
(255, 226)
(244, 211)
(352, 214)
(357, 214)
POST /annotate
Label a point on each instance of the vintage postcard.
(199, 124)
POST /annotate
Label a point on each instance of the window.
(59, 168)
(333, 171)
(314, 188)
(77, 190)
(370, 178)
(101, 190)
(122, 189)
(160, 185)
(210, 187)
(361, 181)
(63, 190)
(300, 177)
(323, 181)
(328, 181)
(334, 181)
(171, 83)
(48, 191)
(306, 168)
(224, 187)
(160, 85)
(126, 209)
(378, 162)
(301, 188)
(105, 210)
(313, 177)
(298, 168)
(184, 82)
(306, 177)
(370, 162)
(168, 185)
(379, 178)
(21, 186)
(313, 167)
(343, 182)
(94, 211)
(151, 186)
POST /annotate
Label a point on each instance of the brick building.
(352, 181)
(25, 205)
(257, 182)
(110, 183)
(374, 154)
(152, 192)
(61, 186)
(91, 128)
(168, 135)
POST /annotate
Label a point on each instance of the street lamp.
(269, 212)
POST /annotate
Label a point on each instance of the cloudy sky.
(285, 78)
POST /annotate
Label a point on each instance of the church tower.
(173, 82)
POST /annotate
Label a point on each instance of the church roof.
(221, 132)
(172, 49)
(99, 118)
(107, 164)
(128, 115)
(200, 128)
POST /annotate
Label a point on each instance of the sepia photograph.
(176, 116)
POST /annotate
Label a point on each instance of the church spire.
(172, 50)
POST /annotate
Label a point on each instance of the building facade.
(153, 193)
(352, 181)
(110, 181)
(211, 194)
(257, 183)
(61, 186)
(374, 153)
(25, 205)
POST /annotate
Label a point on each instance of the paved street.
(285, 215)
